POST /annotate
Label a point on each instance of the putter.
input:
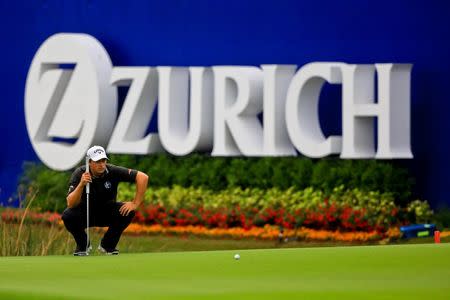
(87, 208)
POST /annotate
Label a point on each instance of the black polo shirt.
(103, 190)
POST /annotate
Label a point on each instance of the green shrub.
(50, 187)
(442, 218)
(219, 173)
(178, 197)
(419, 212)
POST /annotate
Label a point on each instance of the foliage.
(419, 211)
(347, 210)
(218, 173)
(34, 239)
(51, 187)
(442, 218)
(225, 173)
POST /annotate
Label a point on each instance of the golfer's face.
(97, 167)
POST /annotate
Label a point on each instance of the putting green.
(369, 272)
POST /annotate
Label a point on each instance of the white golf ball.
(237, 256)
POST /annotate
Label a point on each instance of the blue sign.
(246, 33)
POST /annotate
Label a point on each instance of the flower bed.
(16, 215)
(346, 210)
(268, 231)
(305, 214)
(327, 216)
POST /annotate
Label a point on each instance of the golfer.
(104, 210)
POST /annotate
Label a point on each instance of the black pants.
(105, 216)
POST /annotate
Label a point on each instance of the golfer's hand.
(126, 208)
(85, 178)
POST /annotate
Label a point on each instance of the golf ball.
(237, 256)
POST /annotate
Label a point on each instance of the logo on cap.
(96, 153)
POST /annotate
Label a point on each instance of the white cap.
(96, 153)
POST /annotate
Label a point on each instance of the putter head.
(81, 253)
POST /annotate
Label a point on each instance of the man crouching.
(104, 210)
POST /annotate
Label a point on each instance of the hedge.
(220, 173)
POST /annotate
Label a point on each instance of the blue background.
(205, 33)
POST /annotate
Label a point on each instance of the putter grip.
(87, 170)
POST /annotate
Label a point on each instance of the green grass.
(360, 272)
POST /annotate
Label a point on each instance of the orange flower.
(445, 234)
(267, 232)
